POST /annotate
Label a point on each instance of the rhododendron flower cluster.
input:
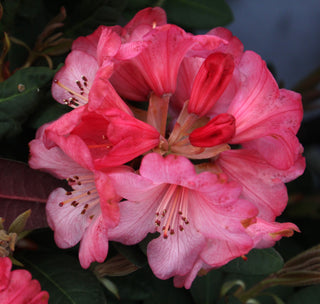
(18, 287)
(184, 136)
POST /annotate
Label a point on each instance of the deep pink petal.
(210, 82)
(94, 244)
(217, 131)
(22, 289)
(262, 184)
(5, 266)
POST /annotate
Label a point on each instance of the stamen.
(108, 146)
(172, 211)
(72, 101)
(84, 195)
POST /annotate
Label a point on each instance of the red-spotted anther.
(218, 130)
(212, 79)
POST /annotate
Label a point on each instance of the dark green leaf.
(165, 292)
(135, 286)
(308, 295)
(20, 95)
(62, 276)
(259, 262)
(206, 289)
(132, 253)
(203, 14)
(86, 15)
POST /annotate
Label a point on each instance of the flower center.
(84, 196)
(171, 214)
(79, 94)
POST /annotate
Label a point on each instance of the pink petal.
(187, 279)
(157, 72)
(262, 184)
(108, 199)
(148, 17)
(73, 81)
(234, 45)
(266, 234)
(280, 150)
(259, 107)
(88, 44)
(221, 251)
(67, 222)
(176, 254)
(136, 221)
(52, 160)
(102, 93)
(94, 244)
(108, 45)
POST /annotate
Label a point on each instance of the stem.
(255, 290)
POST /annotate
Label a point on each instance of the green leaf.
(64, 279)
(202, 14)
(308, 295)
(20, 95)
(132, 253)
(165, 292)
(206, 289)
(259, 262)
(136, 286)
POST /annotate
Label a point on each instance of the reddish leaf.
(22, 188)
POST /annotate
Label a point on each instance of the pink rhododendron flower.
(180, 204)
(83, 214)
(209, 101)
(18, 287)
